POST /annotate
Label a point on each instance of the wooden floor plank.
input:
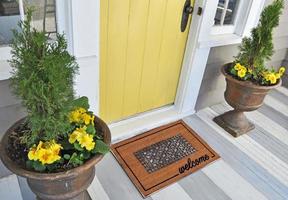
(9, 188)
(274, 115)
(114, 180)
(235, 186)
(245, 166)
(199, 186)
(262, 156)
(262, 121)
(283, 90)
(279, 96)
(96, 190)
(276, 104)
(172, 192)
(268, 141)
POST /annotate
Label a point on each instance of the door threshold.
(144, 122)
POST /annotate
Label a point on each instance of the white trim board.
(144, 122)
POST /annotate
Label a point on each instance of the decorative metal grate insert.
(164, 153)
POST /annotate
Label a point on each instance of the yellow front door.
(141, 54)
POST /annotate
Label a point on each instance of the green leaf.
(29, 164)
(67, 156)
(85, 155)
(81, 102)
(75, 160)
(38, 166)
(51, 167)
(101, 147)
(61, 161)
(67, 146)
(99, 137)
(233, 71)
(78, 146)
(91, 129)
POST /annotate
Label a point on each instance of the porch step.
(9, 188)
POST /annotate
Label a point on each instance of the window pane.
(231, 12)
(226, 12)
(9, 17)
(44, 15)
(219, 12)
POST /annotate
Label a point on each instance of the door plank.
(138, 16)
(157, 12)
(167, 53)
(104, 6)
(118, 21)
(178, 53)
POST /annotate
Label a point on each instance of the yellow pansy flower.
(40, 145)
(237, 66)
(54, 147)
(46, 156)
(76, 134)
(241, 73)
(86, 141)
(88, 119)
(272, 78)
(32, 154)
(278, 75)
(282, 70)
(46, 153)
(73, 137)
(76, 115)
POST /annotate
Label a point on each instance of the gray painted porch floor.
(253, 166)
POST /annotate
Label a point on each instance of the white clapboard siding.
(9, 188)
(96, 191)
(172, 192)
(270, 162)
(277, 105)
(231, 182)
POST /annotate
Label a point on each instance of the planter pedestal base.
(82, 196)
(234, 122)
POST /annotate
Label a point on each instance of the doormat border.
(148, 133)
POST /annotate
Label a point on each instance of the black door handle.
(187, 10)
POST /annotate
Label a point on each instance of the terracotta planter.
(71, 184)
(243, 96)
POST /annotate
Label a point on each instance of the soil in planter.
(18, 152)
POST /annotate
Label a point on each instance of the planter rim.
(248, 83)
(11, 165)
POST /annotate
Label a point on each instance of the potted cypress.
(58, 144)
(248, 79)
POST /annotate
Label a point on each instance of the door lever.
(187, 10)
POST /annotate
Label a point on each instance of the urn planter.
(70, 184)
(243, 96)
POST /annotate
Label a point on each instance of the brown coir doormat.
(162, 156)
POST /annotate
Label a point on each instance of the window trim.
(248, 9)
(63, 24)
(243, 10)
